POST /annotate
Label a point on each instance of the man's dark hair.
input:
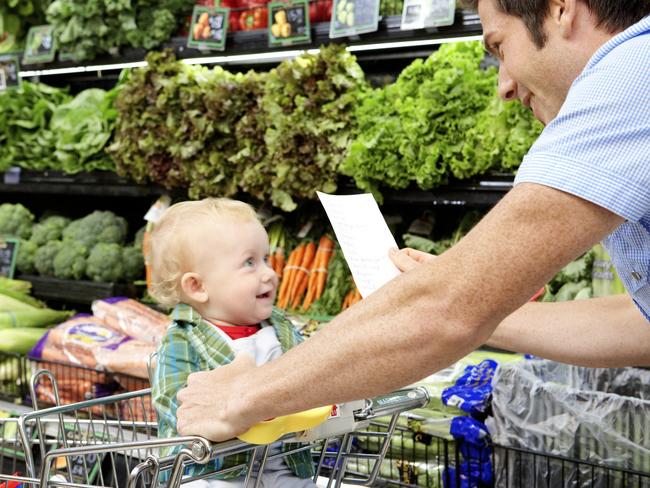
(613, 15)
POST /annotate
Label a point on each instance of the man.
(583, 67)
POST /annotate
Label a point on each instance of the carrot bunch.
(351, 298)
(277, 241)
(318, 272)
(296, 274)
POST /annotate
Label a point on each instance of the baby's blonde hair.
(171, 243)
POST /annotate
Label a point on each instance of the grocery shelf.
(244, 48)
(76, 291)
(96, 183)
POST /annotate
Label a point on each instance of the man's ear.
(192, 286)
(563, 14)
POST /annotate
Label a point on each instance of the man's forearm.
(601, 332)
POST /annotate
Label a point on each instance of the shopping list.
(364, 238)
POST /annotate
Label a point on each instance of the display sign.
(40, 46)
(83, 468)
(209, 28)
(9, 72)
(8, 253)
(421, 14)
(353, 17)
(289, 23)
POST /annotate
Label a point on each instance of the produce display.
(425, 128)
(85, 29)
(92, 247)
(42, 127)
(16, 17)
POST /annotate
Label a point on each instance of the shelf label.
(209, 28)
(353, 17)
(8, 252)
(289, 23)
(420, 14)
(12, 176)
(40, 46)
(9, 72)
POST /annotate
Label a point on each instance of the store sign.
(8, 252)
(209, 28)
(354, 17)
(9, 72)
(40, 46)
(289, 23)
(421, 14)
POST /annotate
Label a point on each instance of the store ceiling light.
(250, 58)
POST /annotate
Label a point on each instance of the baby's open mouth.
(265, 295)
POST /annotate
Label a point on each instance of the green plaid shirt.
(192, 344)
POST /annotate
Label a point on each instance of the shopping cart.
(105, 442)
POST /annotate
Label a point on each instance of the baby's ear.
(192, 286)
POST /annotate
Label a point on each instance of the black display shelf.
(77, 292)
(97, 183)
(466, 23)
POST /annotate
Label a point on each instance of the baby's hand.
(407, 258)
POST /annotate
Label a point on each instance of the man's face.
(536, 77)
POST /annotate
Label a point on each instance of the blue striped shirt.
(598, 148)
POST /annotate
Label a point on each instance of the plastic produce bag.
(132, 318)
(589, 414)
(86, 341)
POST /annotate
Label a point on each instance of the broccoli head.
(105, 263)
(15, 220)
(99, 226)
(133, 263)
(70, 261)
(49, 229)
(25, 258)
(44, 257)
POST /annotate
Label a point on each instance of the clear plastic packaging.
(588, 414)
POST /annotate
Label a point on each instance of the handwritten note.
(364, 238)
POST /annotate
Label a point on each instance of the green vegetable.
(15, 285)
(25, 136)
(44, 257)
(32, 318)
(15, 220)
(338, 285)
(442, 117)
(70, 262)
(139, 237)
(568, 291)
(22, 297)
(575, 271)
(99, 226)
(20, 340)
(308, 104)
(133, 263)
(83, 127)
(49, 229)
(106, 263)
(88, 28)
(25, 258)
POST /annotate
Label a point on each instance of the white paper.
(364, 237)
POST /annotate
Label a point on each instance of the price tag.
(353, 17)
(12, 176)
(40, 46)
(209, 28)
(289, 23)
(84, 468)
(420, 14)
(9, 72)
(8, 252)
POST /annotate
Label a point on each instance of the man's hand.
(407, 258)
(206, 404)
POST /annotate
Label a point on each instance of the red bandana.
(238, 331)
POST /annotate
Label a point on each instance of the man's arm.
(601, 332)
(418, 323)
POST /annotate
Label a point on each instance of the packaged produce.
(86, 341)
(131, 318)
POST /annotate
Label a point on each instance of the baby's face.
(241, 286)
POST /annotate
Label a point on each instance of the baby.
(209, 261)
